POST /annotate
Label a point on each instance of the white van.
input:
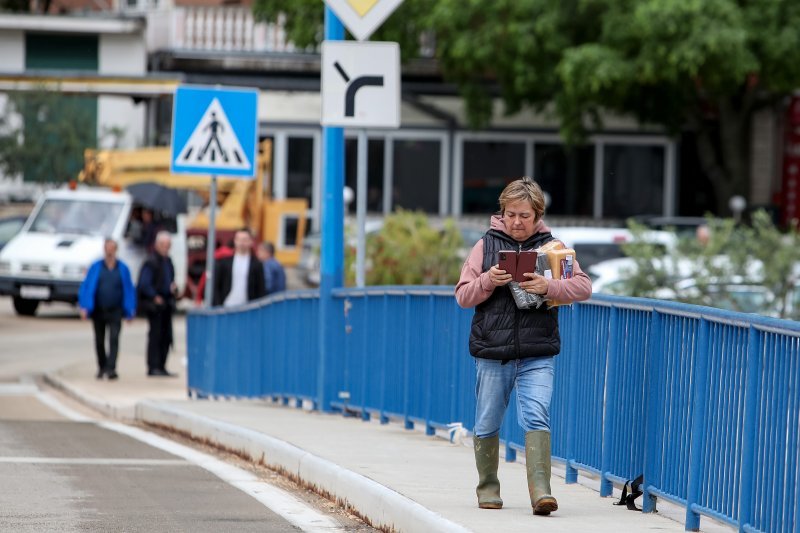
(48, 259)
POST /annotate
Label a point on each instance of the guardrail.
(704, 402)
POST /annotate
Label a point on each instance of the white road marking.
(60, 408)
(94, 461)
(279, 501)
(18, 389)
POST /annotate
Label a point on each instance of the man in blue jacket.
(274, 275)
(107, 295)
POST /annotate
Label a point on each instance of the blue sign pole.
(332, 252)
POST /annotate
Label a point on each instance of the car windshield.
(82, 217)
(9, 228)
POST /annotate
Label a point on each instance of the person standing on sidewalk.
(157, 291)
(239, 279)
(107, 295)
(274, 275)
(514, 347)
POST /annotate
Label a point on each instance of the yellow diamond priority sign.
(362, 17)
(362, 7)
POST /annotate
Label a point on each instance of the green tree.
(43, 136)
(409, 251)
(758, 254)
(702, 65)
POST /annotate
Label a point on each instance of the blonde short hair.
(523, 189)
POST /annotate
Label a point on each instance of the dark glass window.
(633, 181)
(300, 168)
(416, 177)
(567, 175)
(61, 52)
(488, 167)
(375, 153)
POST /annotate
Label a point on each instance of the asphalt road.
(59, 474)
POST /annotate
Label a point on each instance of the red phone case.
(508, 261)
(526, 263)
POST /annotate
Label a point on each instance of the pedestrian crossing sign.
(214, 131)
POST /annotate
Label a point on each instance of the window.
(633, 180)
(375, 152)
(300, 168)
(416, 176)
(488, 167)
(567, 175)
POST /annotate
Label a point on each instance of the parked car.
(610, 277)
(595, 245)
(731, 295)
(733, 292)
(9, 227)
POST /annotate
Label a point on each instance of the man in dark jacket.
(157, 291)
(239, 279)
(107, 295)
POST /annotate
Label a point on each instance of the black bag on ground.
(629, 499)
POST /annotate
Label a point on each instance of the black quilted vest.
(499, 329)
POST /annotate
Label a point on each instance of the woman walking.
(514, 347)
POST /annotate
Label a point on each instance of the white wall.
(12, 51)
(123, 54)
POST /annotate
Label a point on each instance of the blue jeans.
(533, 378)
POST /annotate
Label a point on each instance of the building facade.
(434, 162)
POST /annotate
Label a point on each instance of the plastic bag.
(523, 298)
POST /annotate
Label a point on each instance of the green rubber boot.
(487, 457)
(537, 462)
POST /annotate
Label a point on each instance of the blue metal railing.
(704, 402)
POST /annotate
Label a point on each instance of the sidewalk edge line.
(75, 393)
(377, 504)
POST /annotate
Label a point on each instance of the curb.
(102, 407)
(380, 506)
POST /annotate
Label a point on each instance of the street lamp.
(737, 204)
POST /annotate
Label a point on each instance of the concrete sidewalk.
(392, 477)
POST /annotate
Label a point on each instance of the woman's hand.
(498, 277)
(537, 284)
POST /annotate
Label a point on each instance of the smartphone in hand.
(508, 261)
(526, 264)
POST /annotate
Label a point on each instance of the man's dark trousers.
(159, 338)
(110, 318)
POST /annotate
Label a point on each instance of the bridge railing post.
(571, 475)
(611, 401)
(751, 399)
(698, 437)
(655, 356)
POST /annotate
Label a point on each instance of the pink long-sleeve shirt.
(475, 287)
